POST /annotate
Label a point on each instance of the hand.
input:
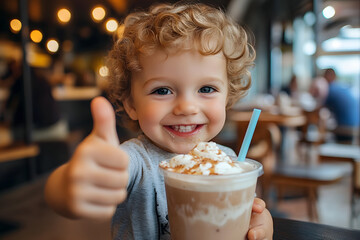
(261, 223)
(96, 176)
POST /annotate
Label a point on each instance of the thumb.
(104, 120)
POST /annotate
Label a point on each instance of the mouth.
(184, 130)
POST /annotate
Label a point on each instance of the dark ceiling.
(85, 33)
(88, 35)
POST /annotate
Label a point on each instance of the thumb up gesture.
(94, 181)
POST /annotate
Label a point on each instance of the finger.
(261, 226)
(110, 156)
(103, 155)
(256, 233)
(90, 194)
(110, 179)
(95, 211)
(258, 205)
(104, 120)
(101, 196)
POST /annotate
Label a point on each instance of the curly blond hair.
(176, 27)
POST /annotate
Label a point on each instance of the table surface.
(286, 229)
(75, 93)
(5, 135)
(268, 117)
(352, 152)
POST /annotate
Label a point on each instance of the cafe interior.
(53, 63)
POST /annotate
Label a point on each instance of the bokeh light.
(328, 12)
(36, 36)
(15, 25)
(98, 13)
(103, 71)
(111, 25)
(64, 15)
(52, 45)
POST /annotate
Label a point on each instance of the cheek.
(217, 113)
(150, 114)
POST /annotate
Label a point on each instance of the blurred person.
(292, 89)
(13, 70)
(343, 104)
(60, 75)
(87, 78)
(319, 89)
(47, 121)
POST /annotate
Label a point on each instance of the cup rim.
(257, 169)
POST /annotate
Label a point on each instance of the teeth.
(182, 128)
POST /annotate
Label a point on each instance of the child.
(174, 72)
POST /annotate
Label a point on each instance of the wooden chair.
(264, 148)
(313, 132)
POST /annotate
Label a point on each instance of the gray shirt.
(143, 215)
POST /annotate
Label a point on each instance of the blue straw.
(248, 135)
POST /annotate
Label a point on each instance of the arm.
(94, 180)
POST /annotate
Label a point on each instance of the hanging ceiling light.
(15, 25)
(52, 45)
(36, 36)
(111, 25)
(98, 13)
(64, 15)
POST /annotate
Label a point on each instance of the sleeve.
(132, 148)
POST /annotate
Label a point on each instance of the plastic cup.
(211, 207)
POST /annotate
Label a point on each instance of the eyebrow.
(203, 79)
(214, 80)
(154, 79)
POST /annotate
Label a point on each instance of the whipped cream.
(205, 159)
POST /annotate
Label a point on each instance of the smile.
(184, 129)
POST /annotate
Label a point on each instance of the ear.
(130, 109)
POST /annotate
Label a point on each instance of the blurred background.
(52, 63)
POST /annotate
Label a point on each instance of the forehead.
(182, 63)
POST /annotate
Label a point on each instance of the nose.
(186, 106)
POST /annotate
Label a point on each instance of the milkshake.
(209, 195)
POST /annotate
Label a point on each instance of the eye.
(207, 89)
(161, 91)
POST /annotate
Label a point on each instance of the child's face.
(179, 99)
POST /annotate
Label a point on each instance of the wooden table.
(64, 93)
(339, 152)
(286, 229)
(20, 151)
(5, 135)
(283, 121)
(268, 117)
